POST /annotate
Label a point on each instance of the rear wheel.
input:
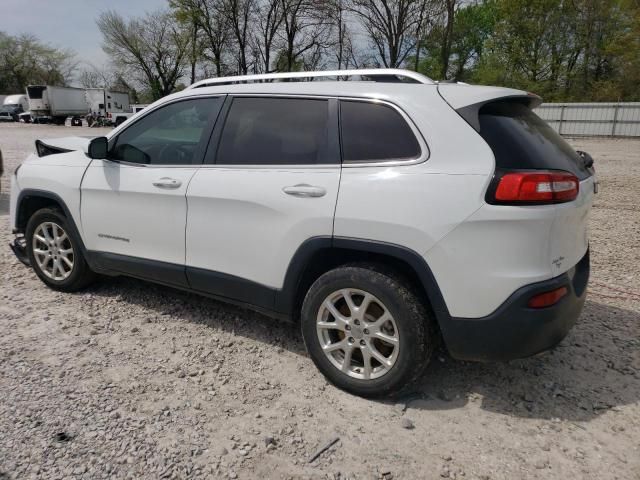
(366, 331)
(54, 253)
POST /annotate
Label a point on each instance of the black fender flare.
(286, 297)
(32, 192)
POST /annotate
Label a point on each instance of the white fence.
(593, 119)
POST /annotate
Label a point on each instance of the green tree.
(472, 26)
(24, 60)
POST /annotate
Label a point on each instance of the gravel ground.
(132, 380)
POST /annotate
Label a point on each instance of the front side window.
(275, 131)
(169, 135)
(374, 132)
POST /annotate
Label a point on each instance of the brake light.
(537, 187)
(547, 299)
(109, 115)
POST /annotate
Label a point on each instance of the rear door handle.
(304, 190)
(166, 182)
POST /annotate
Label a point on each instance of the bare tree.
(447, 37)
(306, 32)
(209, 17)
(187, 15)
(152, 47)
(343, 48)
(94, 77)
(239, 15)
(269, 21)
(391, 25)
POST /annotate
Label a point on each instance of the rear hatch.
(522, 141)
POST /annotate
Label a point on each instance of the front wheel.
(54, 253)
(367, 331)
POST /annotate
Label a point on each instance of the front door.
(133, 207)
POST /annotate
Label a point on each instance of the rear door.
(269, 183)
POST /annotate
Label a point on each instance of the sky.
(69, 23)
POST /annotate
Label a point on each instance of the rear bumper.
(514, 330)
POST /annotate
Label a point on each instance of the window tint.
(522, 140)
(374, 132)
(169, 135)
(275, 131)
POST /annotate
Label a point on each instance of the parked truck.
(106, 103)
(55, 104)
(121, 117)
(12, 107)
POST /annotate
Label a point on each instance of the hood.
(48, 146)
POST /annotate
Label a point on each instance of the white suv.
(382, 213)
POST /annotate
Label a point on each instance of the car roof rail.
(387, 75)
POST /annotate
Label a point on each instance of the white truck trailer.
(55, 104)
(103, 102)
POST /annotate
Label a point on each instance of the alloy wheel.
(358, 334)
(53, 251)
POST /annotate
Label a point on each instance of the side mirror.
(98, 148)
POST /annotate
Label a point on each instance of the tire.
(120, 121)
(66, 278)
(411, 326)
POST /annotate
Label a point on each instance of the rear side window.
(374, 132)
(522, 140)
(275, 131)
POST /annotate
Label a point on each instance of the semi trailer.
(55, 104)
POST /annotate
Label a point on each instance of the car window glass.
(375, 132)
(169, 135)
(275, 131)
(522, 140)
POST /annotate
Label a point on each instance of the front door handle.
(304, 190)
(166, 182)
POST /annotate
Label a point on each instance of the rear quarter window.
(373, 132)
(521, 140)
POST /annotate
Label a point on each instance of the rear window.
(522, 140)
(375, 132)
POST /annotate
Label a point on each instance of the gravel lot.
(132, 380)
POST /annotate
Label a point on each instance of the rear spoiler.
(467, 100)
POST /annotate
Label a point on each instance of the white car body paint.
(58, 174)
(124, 213)
(239, 222)
(68, 143)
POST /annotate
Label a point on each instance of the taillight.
(109, 115)
(531, 187)
(547, 299)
